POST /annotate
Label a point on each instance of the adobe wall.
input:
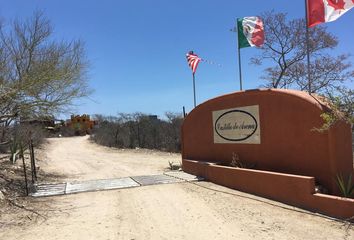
(291, 189)
(280, 137)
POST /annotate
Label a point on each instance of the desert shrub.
(19, 134)
(14, 150)
(238, 163)
(138, 130)
(174, 166)
(66, 131)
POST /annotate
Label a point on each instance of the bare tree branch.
(38, 75)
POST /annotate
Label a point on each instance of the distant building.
(153, 117)
(81, 124)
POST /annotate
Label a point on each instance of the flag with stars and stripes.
(193, 61)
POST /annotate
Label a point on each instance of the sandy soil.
(173, 211)
(77, 158)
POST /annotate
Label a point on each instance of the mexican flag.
(250, 32)
(319, 11)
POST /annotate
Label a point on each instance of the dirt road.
(77, 158)
(172, 211)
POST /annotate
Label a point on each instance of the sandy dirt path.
(172, 211)
(77, 158)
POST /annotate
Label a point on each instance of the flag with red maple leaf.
(320, 11)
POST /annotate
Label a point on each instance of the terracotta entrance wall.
(288, 142)
(287, 188)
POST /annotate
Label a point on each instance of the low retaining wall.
(279, 128)
(291, 189)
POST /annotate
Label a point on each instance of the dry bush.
(139, 130)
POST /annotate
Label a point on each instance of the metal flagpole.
(194, 89)
(239, 67)
(307, 48)
(193, 61)
(239, 56)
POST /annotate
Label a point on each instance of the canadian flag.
(320, 11)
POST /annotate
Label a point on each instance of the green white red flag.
(250, 32)
(320, 11)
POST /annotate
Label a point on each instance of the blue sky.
(137, 48)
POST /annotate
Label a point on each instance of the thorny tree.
(285, 49)
(38, 75)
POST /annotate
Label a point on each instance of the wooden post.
(24, 169)
(33, 162)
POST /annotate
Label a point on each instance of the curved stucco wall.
(288, 141)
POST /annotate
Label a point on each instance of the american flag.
(193, 61)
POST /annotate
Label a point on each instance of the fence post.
(33, 163)
(24, 169)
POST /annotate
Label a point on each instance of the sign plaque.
(237, 125)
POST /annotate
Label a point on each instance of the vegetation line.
(138, 130)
